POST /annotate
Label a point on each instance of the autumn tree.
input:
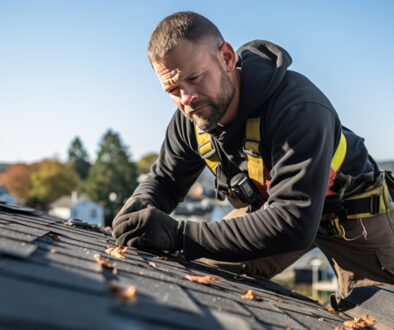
(78, 158)
(17, 181)
(146, 162)
(50, 180)
(113, 177)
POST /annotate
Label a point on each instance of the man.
(276, 145)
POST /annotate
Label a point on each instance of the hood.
(263, 66)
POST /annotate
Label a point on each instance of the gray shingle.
(36, 304)
(16, 249)
(24, 229)
(54, 276)
(218, 303)
(170, 294)
(376, 301)
(8, 233)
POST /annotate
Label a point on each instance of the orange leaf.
(103, 262)
(207, 279)
(330, 309)
(250, 296)
(280, 300)
(118, 251)
(152, 264)
(362, 322)
(123, 295)
(54, 237)
(52, 251)
(160, 258)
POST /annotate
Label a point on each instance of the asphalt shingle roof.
(50, 279)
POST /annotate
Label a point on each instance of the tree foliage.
(146, 162)
(17, 180)
(78, 158)
(51, 180)
(113, 177)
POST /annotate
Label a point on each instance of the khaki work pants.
(356, 263)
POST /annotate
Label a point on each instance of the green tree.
(113, 177)
(50, 180)
(146, 162)
(79, 158)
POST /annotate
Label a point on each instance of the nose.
(188, 95)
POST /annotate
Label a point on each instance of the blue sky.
(72, 68)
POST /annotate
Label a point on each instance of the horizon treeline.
(110, 180)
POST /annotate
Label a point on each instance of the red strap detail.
(331, 178)
(263, 186)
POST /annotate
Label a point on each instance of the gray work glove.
(149, 229)
(133, 204)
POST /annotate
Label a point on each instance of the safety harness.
(367, 204)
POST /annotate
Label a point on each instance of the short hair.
(181, 25)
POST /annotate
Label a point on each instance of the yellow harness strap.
(252, 150)
(378, 194)
(339, 155)
(206, 149)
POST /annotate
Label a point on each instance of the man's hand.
(149, 229)
(133, 204)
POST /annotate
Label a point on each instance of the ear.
(227, 56)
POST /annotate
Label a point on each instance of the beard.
(216, 107)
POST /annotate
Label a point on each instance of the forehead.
(187, 57)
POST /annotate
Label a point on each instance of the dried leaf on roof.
(123, 295)
(103, 262)
(362, 322)
(207, 279)
(330, 309)
(65, 223)
(277, 299)
(54, 237)
(52, 251)
(249, 295)
(152, 264)
(160, 258)
(116, 251)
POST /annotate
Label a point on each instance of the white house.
(81, 207)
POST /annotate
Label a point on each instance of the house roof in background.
(67, 201)
(50, 278)
(3, 190)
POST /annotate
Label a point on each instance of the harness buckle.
(254, 152)
(210, 149)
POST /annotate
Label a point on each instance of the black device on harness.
(242, 193)
(243, 187)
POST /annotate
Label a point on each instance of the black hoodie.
(300, 131)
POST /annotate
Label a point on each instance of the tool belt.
(374, 200)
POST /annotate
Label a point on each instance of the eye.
(172, 90)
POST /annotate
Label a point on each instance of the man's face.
(198, 84)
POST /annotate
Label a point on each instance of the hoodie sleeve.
(176, 169)
(303, 140)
